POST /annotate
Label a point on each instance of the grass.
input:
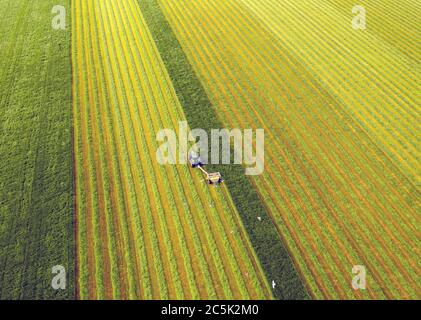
(36, 202)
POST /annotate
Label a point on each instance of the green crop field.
(81, 186)
(36, 179)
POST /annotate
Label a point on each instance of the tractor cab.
(195, 160)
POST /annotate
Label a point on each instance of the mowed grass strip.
(173, 237)
(36, 203)
(323, 169)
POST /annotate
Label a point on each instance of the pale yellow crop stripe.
(167, 234)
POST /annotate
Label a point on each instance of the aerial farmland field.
(210, 150)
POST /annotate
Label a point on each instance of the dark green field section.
(36, 207)
(269, 248)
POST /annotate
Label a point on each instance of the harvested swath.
(314, 167)
(170, 239)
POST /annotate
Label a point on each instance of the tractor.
(211, 178)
